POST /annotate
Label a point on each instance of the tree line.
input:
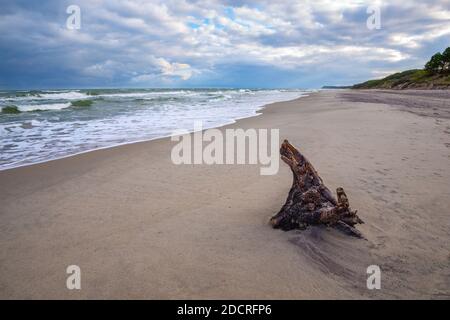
(439, 63)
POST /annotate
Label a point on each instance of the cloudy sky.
(216, 43)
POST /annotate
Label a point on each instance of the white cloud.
(418, 40)
(182, 70)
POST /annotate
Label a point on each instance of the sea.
(41, 125)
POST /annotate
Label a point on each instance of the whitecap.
(36, 107)
(69, 95)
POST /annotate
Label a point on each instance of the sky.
(216, 43)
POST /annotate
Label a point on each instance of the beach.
(139, 226)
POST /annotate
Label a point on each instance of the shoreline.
(140, 227)
(256, 114)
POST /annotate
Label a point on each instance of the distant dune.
(410, 79)
(435, 75)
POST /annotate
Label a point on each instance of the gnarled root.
(310, 202)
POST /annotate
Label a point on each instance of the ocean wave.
(142, 95)
(119, 116)
(99, 94)
(219, 97)
(42, 107)
(45, 95)
(123, 95)
(71, 95)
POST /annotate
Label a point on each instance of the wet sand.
(141, 227)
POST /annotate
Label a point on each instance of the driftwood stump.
(310, 202)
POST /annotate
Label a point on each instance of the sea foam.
(117, 117)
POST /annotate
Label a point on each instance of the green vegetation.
(436, 74)
(10, 109)
(82, 103)
(435, 64)
(439, 63)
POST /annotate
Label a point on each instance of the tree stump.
(310, 202)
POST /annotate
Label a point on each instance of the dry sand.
(142, 227)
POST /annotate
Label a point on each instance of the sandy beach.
(141, 227)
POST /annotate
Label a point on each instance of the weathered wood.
(310, 202)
